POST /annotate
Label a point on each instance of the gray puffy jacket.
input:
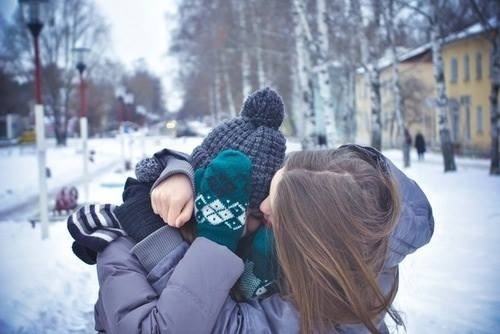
(158, 287)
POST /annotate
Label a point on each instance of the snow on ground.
(452, 284)
(20, 164)
(448, 286)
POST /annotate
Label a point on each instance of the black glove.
(136, 215)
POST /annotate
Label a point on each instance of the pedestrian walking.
(420, 145)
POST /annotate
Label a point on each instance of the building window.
(479, 66)
(465, 101)
(454, 70)
(479, 120)
(466, 68)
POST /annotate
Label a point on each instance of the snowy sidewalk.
(18, 165)
(19, 186)
(452, 285)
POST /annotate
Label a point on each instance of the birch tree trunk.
(324, 81)
(246, 84)
(305, 81)
(217, 104)
(227, 85)
(369, 57)
(375, 100)
(256, 25)
(374, 75)
(494, 38)
(441, 98)
(211, 97)
(396, 81)
(350, 117)
(494, 112)
(298, 106)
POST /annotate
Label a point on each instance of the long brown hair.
(333, 213)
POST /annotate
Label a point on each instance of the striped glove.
(93, 227)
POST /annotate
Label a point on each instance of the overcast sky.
(139, 30)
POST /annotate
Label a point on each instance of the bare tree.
(305, 80)
(431, 12)
(71, 24)
(389, 18)
(370, 52)
(492, 27)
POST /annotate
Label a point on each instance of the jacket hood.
(416, 222)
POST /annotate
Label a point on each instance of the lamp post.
(81, 54)
(128, 101)
(141, 110)
(120, 93)
(33, 12)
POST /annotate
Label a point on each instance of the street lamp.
(120, 93)
(81, 55)
(128, 100)
(33, 12)
(124, 98)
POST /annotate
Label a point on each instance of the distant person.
(406, 148)
(420, 145)
(322, 141)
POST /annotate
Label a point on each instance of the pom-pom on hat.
(256, 133)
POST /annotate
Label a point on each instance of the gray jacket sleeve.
(187, 292)
(197, 285)
(159, 244)
(175, 166)
(163, 164)
(173, 162)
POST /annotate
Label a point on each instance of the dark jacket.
(420, 143)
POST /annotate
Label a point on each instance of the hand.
(173, 200)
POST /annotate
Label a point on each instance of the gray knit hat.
(256, 133)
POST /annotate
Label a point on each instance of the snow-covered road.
(449, 286)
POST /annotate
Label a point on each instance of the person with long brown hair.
(342, 221)
(332, 215)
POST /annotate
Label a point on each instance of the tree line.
(310, 51)
(69, 24)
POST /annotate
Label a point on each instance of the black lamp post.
(33, 14)
(81, 54)
(128, 100)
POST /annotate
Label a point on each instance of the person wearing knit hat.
(255, 134)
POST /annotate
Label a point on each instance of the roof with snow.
(471, 31)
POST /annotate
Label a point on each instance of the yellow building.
(418, 89)
(466, 57)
